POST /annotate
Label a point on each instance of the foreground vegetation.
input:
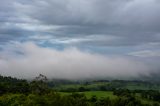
(41, 92)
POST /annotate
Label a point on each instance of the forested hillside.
(39, 92)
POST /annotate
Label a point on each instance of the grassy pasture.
(99, 94)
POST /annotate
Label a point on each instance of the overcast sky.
(80, 38)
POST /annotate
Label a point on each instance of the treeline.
(13, 85)
(56, 82)
(151, 95)
(109, 86)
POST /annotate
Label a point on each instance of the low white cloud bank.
(27, 60)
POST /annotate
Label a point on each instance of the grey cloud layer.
(135, 22)
(124, 28)
(70, 12)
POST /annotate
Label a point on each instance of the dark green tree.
(39, 85)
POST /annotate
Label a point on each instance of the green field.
(99, 94)
(105, 89)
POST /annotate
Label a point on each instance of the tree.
(39, 85)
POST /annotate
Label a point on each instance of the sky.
(78, 39)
